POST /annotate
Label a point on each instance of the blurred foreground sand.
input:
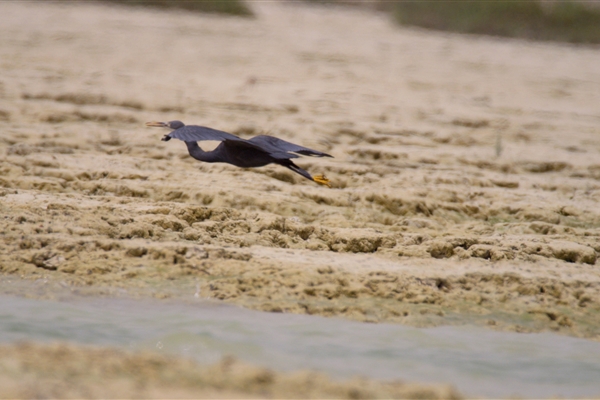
(466, 177)
(30, 371)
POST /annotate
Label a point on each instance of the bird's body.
(255, 152)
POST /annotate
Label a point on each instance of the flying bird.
(255, 152)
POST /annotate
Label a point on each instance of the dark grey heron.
(254, 152)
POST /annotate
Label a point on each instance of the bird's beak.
(158, 124)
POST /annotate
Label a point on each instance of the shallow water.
(476, 361)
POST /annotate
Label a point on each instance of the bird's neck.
(201, 155)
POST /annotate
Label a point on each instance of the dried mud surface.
(466, 177)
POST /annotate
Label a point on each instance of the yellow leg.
(320, 179)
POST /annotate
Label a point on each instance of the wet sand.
(466, 177)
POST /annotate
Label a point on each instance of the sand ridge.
(105, 372)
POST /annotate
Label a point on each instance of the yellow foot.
(320, 179)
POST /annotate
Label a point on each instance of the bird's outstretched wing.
(195, 133)
(270, 151)
(272, 144)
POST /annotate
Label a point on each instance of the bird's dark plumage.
(255, 152)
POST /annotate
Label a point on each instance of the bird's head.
(170, 124)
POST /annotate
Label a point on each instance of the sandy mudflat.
(466, 177)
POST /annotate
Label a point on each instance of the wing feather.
(195, 133)
(272, 144)
(271, 151)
